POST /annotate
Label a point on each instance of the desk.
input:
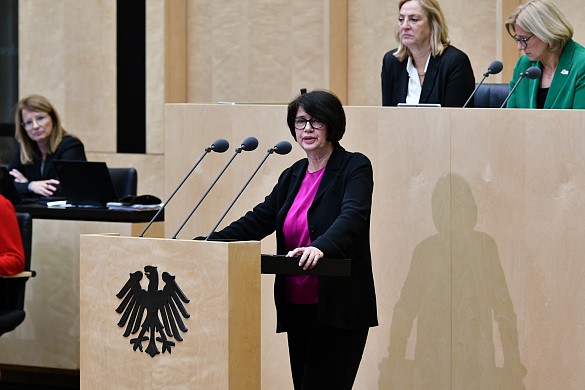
(49, 336)
(88, 214)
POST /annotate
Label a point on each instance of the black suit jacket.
(70, 148)
(449, 79)
(339, 225)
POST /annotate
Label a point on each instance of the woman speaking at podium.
(320, 207)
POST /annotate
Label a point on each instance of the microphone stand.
(248, 144)
(532, 73)
(486, 74)
(222, 147)
(513, 89)
(494, 68)
(285, 150)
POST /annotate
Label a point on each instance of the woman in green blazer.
(544, 33)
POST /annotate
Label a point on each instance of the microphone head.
(533, 72)
(283, 147)
(495, 67)
(250, 143)
(220, 145)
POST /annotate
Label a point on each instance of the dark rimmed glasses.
(301, 123)
(522, 41)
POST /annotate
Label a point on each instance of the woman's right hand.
(309, 256)
(44, 187)
(18, 177)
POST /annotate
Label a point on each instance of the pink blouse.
(301, 289)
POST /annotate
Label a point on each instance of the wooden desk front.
(49, 335)
(477, 236)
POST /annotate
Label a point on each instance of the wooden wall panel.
(255, 51)
(338, 48)
(67, 52)
(476, 227)
(156, 82)
(211, 55)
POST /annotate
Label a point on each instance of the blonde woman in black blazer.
(425, 68)
(320, 207)
(42, 139)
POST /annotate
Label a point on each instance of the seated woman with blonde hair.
(545, 35)
(425, 68)
(42, 139)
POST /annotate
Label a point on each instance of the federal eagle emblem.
(163, 310)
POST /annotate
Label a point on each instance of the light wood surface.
(220, 350)
(49, 335)
(476, 237)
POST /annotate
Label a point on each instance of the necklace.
(550, 74)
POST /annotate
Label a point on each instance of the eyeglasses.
(522, 41)
(29, 123)
(301, 123)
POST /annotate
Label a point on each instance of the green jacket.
(567, 89)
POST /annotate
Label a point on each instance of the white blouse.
(414, 86)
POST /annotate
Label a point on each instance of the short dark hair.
(323, 105)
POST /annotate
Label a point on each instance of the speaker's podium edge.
(220, 348)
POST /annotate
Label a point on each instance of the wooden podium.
(221, 280)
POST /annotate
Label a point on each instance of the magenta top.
(301, 289)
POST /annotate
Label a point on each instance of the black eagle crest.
(162, 309)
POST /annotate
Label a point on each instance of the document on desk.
(58, 204)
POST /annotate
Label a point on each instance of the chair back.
(490, 95)
(12, 290)
(125, 181)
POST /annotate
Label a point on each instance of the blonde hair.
(438, 24)
(543, 19)
(28, 151)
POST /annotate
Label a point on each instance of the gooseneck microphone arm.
(532, 73)
(494, 68)
(283, 147)
(219, 146)
(248, 144)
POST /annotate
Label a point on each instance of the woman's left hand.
(309, 256)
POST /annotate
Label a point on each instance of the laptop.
(85, 183)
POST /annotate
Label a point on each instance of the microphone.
(283, 147)
(494, 68)
(219, 146)
(249, 144)
(532, 73)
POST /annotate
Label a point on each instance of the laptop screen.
(85, 183)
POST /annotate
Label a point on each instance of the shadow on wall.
(454, 326)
